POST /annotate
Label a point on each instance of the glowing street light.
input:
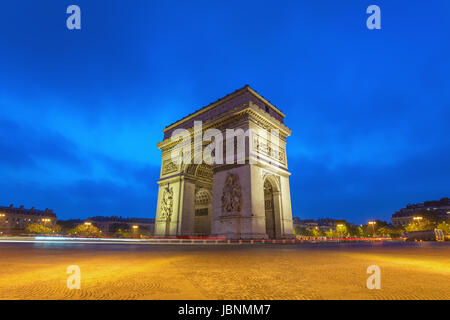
(339, 229)
(88, 223)
(418, 218)
(372, 223)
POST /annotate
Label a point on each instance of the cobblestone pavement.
(408, 271)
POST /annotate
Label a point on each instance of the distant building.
(306, 223)
(105, 223)
(319, 224)
(438, 209)
(17, 219)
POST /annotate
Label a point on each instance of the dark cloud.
(28, 146)
(85, 198)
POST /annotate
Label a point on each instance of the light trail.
(183, 241)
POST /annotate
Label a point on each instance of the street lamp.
(373, 223)
(88, 223)
(418, 219)
(2, 215)
(339, 226)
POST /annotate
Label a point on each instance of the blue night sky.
(81, 111)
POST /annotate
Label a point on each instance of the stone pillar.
(187, 209)
(286, 209)
(249, 221)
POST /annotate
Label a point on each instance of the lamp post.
(2, 215)
(135, 230)
(373, 223)
(339, 226)
(418, 220)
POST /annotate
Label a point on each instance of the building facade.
(105, 223)
(17, 219)
(247, 199)
(324, 225)
(439, 209)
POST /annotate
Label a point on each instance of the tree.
(354, 231)
(421, 225)
(360, 231)
(386, 231)
(330, 234)
(444, 226)
(37, 228)
(65, 226)
(85, 230)
(300, 231)
(315, 232)
(341, 230)
(119, 228)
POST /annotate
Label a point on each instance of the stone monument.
(245, 198)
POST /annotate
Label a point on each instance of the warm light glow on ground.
(322, 271)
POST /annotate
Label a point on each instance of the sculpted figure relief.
(231, 197)
(167, 203)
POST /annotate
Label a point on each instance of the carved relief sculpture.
(167, 203)
(232, 195)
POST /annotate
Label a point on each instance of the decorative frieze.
(265, 147)
(169, 167)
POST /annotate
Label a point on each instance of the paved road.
(322, 271)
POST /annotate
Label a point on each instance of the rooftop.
(120, 219)
(237, 92)
(31, 211)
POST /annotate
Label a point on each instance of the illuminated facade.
(438, 209)
(17, 219)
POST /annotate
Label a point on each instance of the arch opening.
(202, 218)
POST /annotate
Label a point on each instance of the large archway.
(200, 178)
(230, 193)
(202, 218)
(272, 207)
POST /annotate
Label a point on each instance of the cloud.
(42, 168)
(28, 147)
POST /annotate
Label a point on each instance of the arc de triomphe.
(247, 199)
